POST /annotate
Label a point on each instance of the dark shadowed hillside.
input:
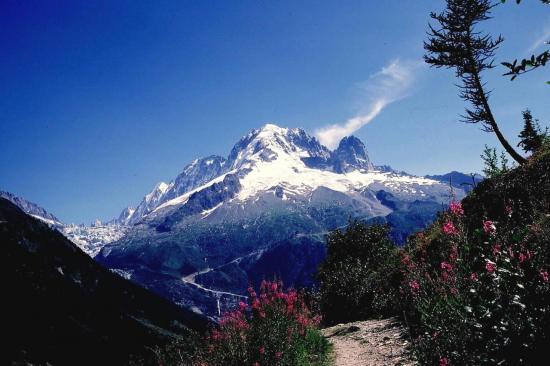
(62, 308)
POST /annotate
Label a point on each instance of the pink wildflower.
(444, 361)
(450, 229)
(453, 256)
(261, 350)
(446, 266)
(414, 285)
(522, 257)
(489, 227)
(490, 266)
(473, 276)
(456, 208)
(544, 275)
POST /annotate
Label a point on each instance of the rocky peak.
(350, 155)
(196, 174)
(125, 216)
(271, 141)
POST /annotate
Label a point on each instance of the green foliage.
(477, 281)
(531, 137)
(493, 165)
(360, 276)
(182, 352)
(277, 328)
(527, 64)
(487, 301)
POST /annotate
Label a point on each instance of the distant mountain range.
(262, 211)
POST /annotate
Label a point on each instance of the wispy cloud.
(393, 82)
(543, 39)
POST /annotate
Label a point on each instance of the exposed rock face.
(351, 155)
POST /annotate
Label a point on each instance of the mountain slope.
(263, 211)
(62, 308)
(31, 208)
(88, 238)
(458, 180)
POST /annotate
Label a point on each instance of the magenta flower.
(450, 229)
(242, 306)
(456, 208)
(473, 276)
(446, 266)
(544, 276)
(490, 266)
(415, 286)
(489, 227)
(444, 361)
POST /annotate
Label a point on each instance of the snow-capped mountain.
(91, 239)
(272, 157)
(151, 200)
(260, 212)
(88, 238)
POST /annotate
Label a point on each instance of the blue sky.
(99, 100)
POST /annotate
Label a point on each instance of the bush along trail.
(477, 280)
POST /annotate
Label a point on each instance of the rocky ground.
(370, 343)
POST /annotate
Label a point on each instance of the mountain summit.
(351, 154)
(270, 156)
(262, 211)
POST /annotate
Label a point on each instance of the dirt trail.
(370, 343)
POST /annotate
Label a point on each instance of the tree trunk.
(509, 149)
(491, 119)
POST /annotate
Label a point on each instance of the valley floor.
(370, 343)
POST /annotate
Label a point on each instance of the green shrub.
(360, 277)
(276, 328)
(481, 295)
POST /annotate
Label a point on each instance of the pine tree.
(458, 45)
(490, 159)
(531, 137)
